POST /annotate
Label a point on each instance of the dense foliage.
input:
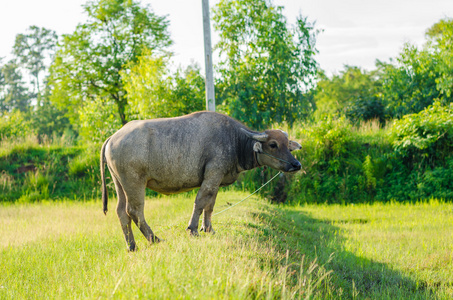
(153, 93)
(354, 93)
(266, 66)
(411, 159)
(89, 62)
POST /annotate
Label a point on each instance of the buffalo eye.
(273, 145)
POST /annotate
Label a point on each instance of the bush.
(33, 172)
(344, 163)
(341, 164)
(411, 160)
(98, 121)
(425, 137)
(15, 125)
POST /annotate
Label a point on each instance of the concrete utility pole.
(210, 96)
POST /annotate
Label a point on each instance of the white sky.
(356, 32)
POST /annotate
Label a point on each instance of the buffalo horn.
(260, 137)
(285, 133)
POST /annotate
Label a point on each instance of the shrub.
(425, 137)
(341, 164)
(14, 125)
(98, 121)
(411, 160)
(38, 172)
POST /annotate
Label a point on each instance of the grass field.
(71, 250)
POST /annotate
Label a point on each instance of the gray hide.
(175, 155)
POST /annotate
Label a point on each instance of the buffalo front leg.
(207, 213)
(205, 200)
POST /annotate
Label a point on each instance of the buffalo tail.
(105, 195)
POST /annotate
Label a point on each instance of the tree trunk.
(121, 103)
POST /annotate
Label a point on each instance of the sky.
(354, 32)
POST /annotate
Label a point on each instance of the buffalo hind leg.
(135, 208)
(124, 218)
(205, 200)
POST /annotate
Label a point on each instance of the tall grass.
(11, 144)
(33, 169)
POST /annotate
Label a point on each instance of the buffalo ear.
(258, 147)
(294, 146)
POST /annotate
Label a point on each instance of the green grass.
(382, 251)
(71, 250)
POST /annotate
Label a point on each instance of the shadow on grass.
(353, 276)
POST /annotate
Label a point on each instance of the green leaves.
(13, 93)
(35, 50)
(428, 133)
(154, 93)
(409, 85)
(266, 66)
(15, 124)
(415, 79)
(89, 62)
(328, 139)
(98, 121)
(354, 93)
(441, 35)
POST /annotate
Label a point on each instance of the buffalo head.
(273, 149)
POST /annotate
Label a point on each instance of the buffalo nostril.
(295, 166)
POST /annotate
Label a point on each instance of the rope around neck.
(248, 195)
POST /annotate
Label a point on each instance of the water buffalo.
(174, 155)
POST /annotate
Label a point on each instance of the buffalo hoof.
(155, 239)
(131, 247)
(208, 230)
(192, 232)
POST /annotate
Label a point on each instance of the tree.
(2, 89)
(265, 66)
(354, 92)
(90, 61)
(420, 76)
(409, 85)
(188, 90)
(440, 40)
(13, 93)
(47, 120)
(154, 93)
(34, 51)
